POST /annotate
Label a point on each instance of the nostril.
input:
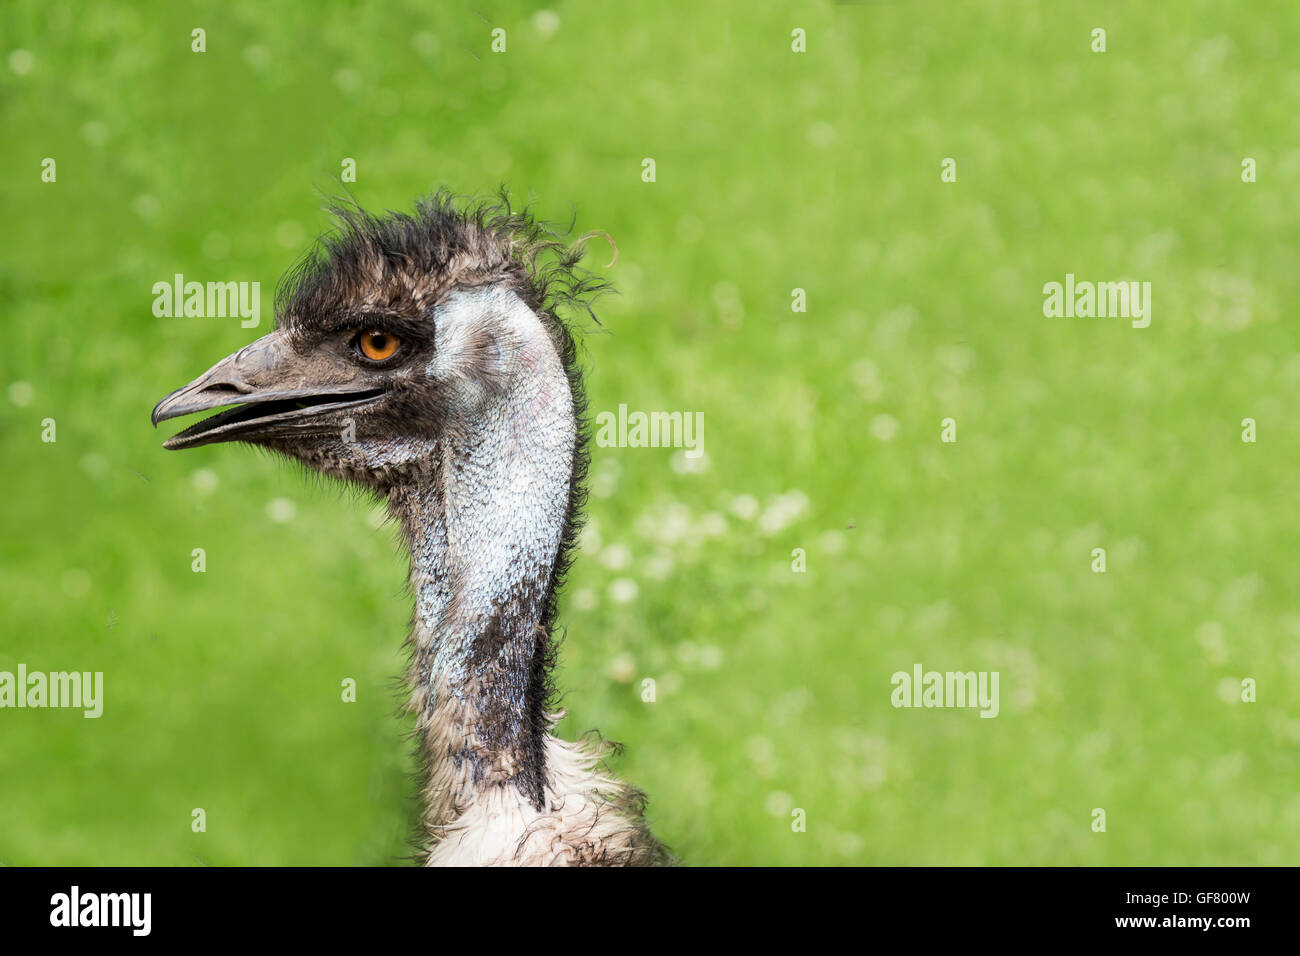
(225, 388)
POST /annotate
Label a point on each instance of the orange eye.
(378, 346)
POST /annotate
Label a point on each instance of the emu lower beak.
(274, 390)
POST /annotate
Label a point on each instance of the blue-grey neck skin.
(484, 521)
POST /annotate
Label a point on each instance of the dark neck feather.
(480, 651)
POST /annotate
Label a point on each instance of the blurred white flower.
(589, 539)
(622, 668)
(659, 565)
(281, 510)
(21, 62)
(616, 557)
(546, 22)
(20, 393)
(782, 511)
(684, 464)
(712, 524)
(94, 464)
(831, 542)
(623, 590)
(710, 657)
(205, 481)
(884, 427)
(257, 56)
(668, 525)
(779, 803)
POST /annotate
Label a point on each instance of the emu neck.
(485, 524)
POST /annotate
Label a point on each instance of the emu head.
(399, 333)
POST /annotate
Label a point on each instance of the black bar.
(332, 905)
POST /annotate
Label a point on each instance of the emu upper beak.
(276, 392)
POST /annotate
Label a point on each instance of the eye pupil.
(378, 346)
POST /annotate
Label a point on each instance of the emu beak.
(275, 391)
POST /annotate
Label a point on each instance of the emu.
(422, 357)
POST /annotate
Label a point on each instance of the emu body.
(422, 358)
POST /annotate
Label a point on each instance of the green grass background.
(775, 170)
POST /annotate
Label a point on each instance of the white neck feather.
(485, 526)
